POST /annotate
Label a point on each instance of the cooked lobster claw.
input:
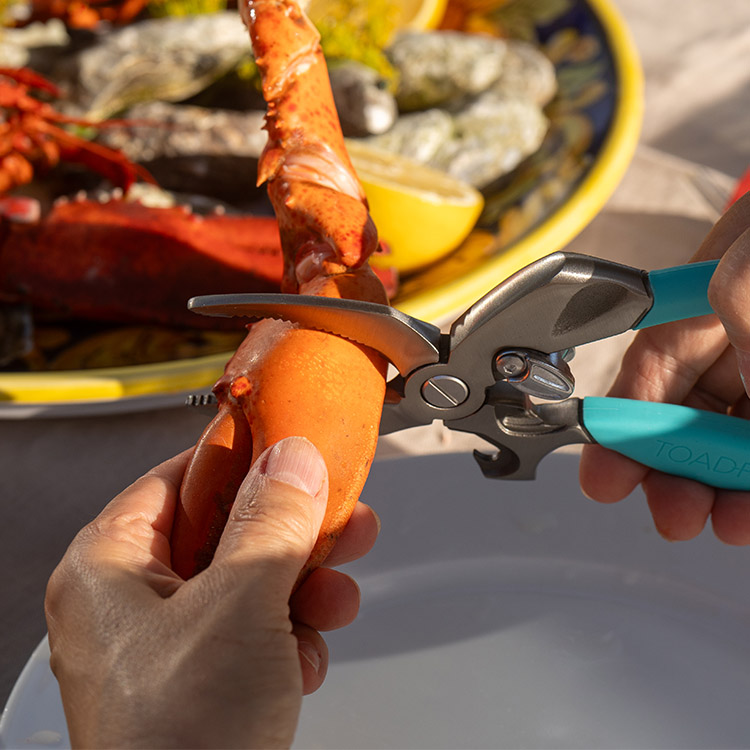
(283, 380)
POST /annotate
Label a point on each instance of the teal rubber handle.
(705, 446)
(679, 293)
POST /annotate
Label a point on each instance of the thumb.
(729, 295)
(277, 515)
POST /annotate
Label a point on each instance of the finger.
(275, 518)
(729, 295)
(720, 387)
(680, 507)
(731, 517)
(327, 600)
(606, 476)
(357, 538)
(726, 231)
(313, 657)
(664, 363)
(131, 536)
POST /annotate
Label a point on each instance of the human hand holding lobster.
(145, 658)
(173, 617)
(704, 363)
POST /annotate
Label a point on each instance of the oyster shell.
(439, 66)
(527, 74)
(17, 46)
(194, 149)
(167, 59)
(484, 140)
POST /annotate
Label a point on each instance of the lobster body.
(285, 380)
(124, 261)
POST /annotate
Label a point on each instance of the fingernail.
(296, 461)
(310, 654)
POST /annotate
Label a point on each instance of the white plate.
(512, 615)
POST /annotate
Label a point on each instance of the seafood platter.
(486, 136)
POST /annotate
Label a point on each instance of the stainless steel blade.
(408, 343)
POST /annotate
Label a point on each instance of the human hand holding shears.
(700, 363)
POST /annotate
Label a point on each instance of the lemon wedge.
(420, 212)
(418, 15)
(421, 15)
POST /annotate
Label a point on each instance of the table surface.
(58, 473)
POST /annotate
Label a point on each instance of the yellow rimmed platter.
(595, 124)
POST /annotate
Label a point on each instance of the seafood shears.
(502, 371)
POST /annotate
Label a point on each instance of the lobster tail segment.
(301, 113)
(316, 195)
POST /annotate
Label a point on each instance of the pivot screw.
(445, 391)
(511, 365)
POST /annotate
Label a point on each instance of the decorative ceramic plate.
(595, 122)
(511, 615)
